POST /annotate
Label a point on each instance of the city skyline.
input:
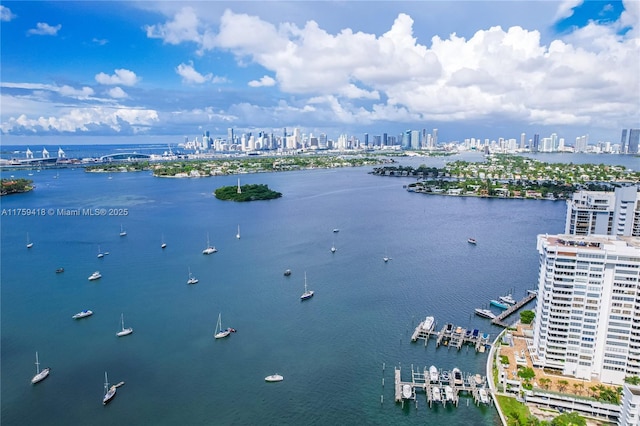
(164, 70)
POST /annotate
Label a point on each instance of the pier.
(451, 336)
(498, 320)
(445, 390)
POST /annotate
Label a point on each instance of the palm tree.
(562, 385)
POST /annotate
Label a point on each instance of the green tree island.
(15, 186)
(246, 193)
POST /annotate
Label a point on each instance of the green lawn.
(513, 409)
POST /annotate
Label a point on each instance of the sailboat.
(333, 248)
(124, 331)
(100, 254)
(40, 375)
(29, 243)
(192, 279)
(163, 245)
(122, 231)
(307, 293)
(109, 392)
(386, 258)
(210, 249)
(220, 333)
(238, 234)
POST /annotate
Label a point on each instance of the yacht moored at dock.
(498, 304)
(507, 299)
(486, 313)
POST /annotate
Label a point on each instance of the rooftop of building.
(595, 242)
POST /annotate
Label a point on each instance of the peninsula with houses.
(507, 176)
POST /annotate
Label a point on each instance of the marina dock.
(450, 335)
(434, 390)
(498, 320)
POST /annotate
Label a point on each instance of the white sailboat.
(238, 234)
(220, 333)
(40, 375)
(333, 247)
(109, 392)
(100, 254)
(123, 331)
(192, 279)
(386, 257)
(307, 293)
(122, 231)
(29, 243)
(163, 245)
(210, 249)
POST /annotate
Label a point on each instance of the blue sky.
(165, 70)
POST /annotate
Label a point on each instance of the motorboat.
(307, 293)
(83, 314)
(287, 272)
(457, 376)
(336, 230)
(433, 374)
(40, 375)
(485, 313)
(435, 391)
(428, 323)
(498, 304)
(407, 392)
(448, 393)
(123, 331)
(274, 378)
(472, 241)
(507, 299)
(95, 276)
(59, 270)
(484, 396)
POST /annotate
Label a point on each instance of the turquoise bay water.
(330, 349)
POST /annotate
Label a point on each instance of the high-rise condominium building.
(606, 213)
(630, 413)
(587, 322)
(634, 139)
(629, 141)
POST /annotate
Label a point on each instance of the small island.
(246, 193)
(15, 186)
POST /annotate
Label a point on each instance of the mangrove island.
(246, 193)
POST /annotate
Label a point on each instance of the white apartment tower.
(606, 213)
(630, 413)
(587, 321)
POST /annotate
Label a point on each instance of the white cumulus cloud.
(42, 28)
(565, 8)
(117, 93)
(5, 14)
(190, 75)
(265, 81)
(121, 76)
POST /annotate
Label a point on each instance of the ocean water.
(330, 349)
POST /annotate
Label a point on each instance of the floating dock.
(451, 336)
(447, 391)
(498, 320)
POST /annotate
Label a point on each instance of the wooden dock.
(420, 382)
(513, 308)
(452, 336)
